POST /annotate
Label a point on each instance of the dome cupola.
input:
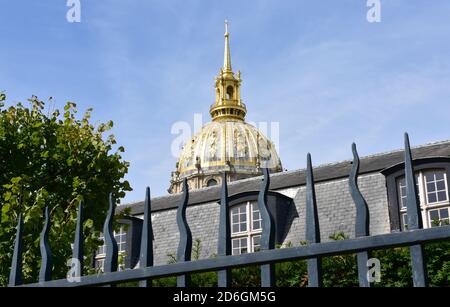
(228, 104)
(227, 143)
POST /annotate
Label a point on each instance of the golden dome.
(227, 143)
(233, 146)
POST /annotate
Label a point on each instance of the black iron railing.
(414, 237)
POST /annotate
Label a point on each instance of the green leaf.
(16, 180)
(7, 196)
(53, 161)
(5, 209)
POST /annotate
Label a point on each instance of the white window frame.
(249, 234)
(437, 203)
(122, 242)
(423, 197)
(441, 220)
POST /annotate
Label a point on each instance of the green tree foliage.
(53, 159)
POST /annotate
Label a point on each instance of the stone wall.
(335, 206)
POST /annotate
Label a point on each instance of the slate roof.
(333, 171)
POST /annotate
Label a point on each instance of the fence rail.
(313, 252)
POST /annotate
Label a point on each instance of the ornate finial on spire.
(228, 104)
(227, 55)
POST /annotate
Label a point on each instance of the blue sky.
(318, 68)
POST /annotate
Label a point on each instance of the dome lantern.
(228, 104)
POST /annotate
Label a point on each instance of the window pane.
(401, 188)
(256, 243)
(429, 176)
(255, 207)
(440, 185)
(443, 213)
(405, 221)
(256, 225)
(402, 192)
(235, 243)
(243, 242)
(439, 175)
(235, 210)
(442, 196)
(235, 219)
(434, 218)
(100, 264)
(235, 228)
(431, 187)
(243, 226)
(432, 198)
(243, 217)
(403, 202)
(434, 215)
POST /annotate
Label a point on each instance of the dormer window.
(432, 175)
(246, 222)
(211, 182)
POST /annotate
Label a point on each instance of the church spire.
(227, 54)
(228, 104)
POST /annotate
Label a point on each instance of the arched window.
(211, 182)
(246, 228)
(230, 92)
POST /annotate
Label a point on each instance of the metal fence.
(414, 238)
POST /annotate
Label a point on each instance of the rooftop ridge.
(346, 160)
(168, 196)
(379, 154)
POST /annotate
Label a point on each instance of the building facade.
(381, 182)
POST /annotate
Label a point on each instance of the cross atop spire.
(227, 54)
